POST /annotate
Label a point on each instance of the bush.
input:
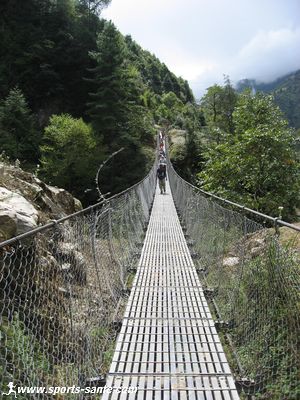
(69, 153)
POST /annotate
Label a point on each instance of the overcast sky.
(201, 40)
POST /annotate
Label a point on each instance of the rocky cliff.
(26, 201)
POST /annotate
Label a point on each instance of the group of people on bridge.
(162, 164)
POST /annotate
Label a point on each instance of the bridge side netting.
(253, 278)
(62, 290)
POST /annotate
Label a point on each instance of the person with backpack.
(162, 176)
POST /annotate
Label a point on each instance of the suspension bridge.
(214, 279)
(168, 346)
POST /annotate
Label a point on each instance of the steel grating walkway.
(168, 346)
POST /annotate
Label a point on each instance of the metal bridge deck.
(168, 346)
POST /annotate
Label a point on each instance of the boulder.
(26, 200)
(256, 251)
(29, 190)
(62, 197)
(48, 263)
(65, 292)
(77, 204)
(231, 261)
(47, 205)
(256, 245)
(72, 262)
(17, 214)
(8, 225)
(65, 250)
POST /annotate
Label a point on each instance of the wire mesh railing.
(251, 276)
(61, 291)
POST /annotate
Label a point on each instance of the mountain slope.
(287, 96)
(286, 91)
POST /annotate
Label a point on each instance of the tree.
(44, 50)
(186, 94)
(69, 154)
(168, 84)
(109, 102)
(188, 158)
(211, 105)
(19, 137)
(170, 108)
(117, 112)
(94, 6)
(259, 167)
(217, 106)
(229, 100)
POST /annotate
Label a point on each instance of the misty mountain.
(286, 92)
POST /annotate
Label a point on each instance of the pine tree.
(116, 109)
(18, 136)
(108, 105)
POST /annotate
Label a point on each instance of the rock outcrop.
(256, 244)
(26, 202)
(17, 215)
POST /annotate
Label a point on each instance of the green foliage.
(44, 50)
(23, 351)
(258, 166)
(66, 60)
(286, 92)
(169, 108)
(267, 285)
(188, 157)
(155, 74)
(18, 137)
(287, 96)
(69, 153)
(104, 338)
(115, 86)
(217, 106)
(119, 117)
(94, 6)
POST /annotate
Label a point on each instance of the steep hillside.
(286, 91)
(287, 96)
(74, 90)
(45, 52)
(155, 74)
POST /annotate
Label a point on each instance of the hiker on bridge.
(161, 145)
(162, 176)
(162, 159)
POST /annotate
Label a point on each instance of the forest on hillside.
(286, 92)
(74, 90)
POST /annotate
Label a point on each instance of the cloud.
(269, 55)
(265, 57)
(190, 70)
(201, 40)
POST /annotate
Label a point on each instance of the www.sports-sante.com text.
(13, 390)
